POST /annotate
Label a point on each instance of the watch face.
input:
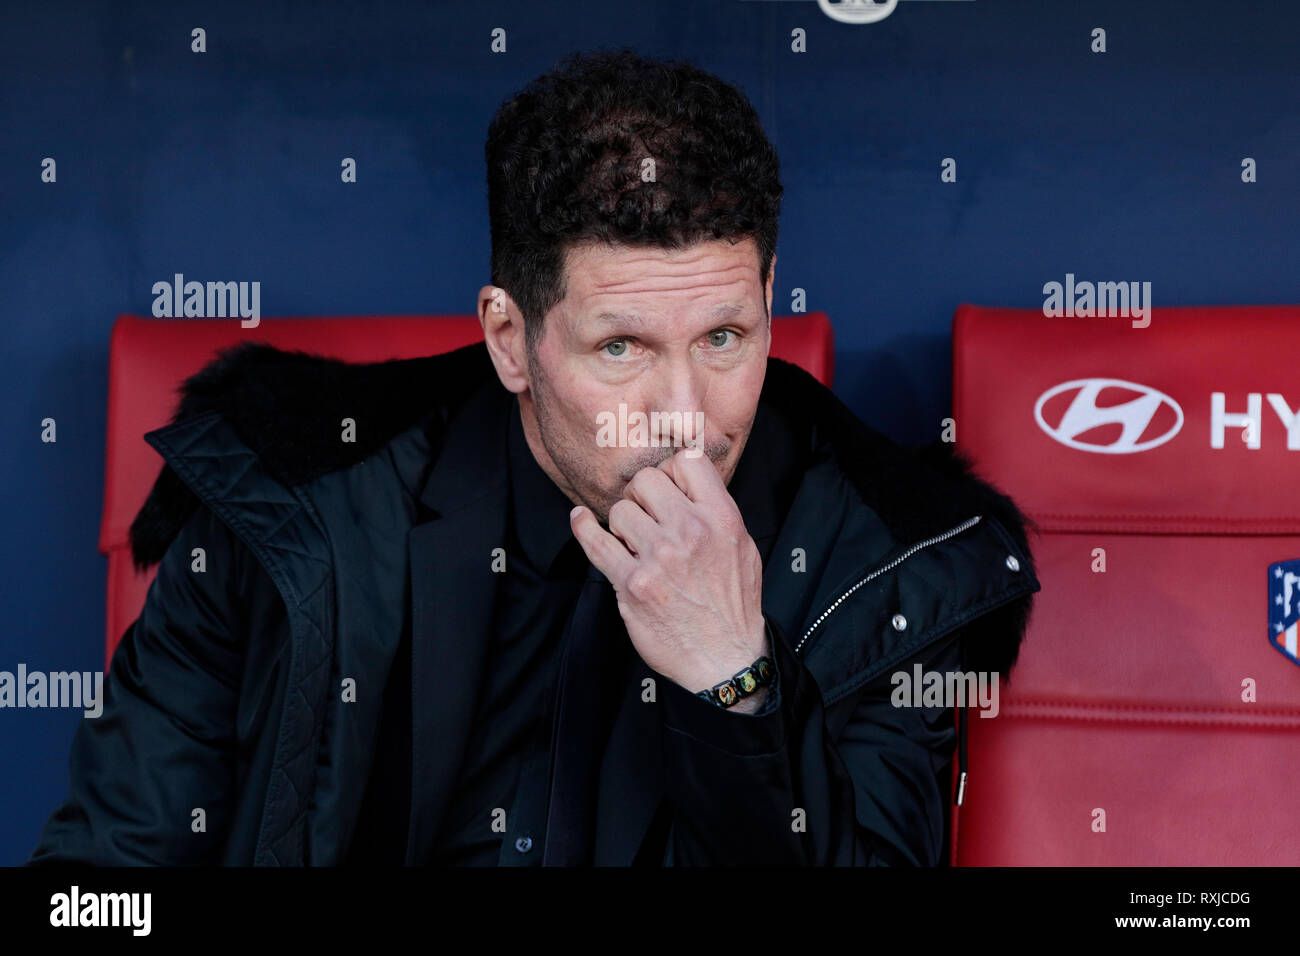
(727, 695)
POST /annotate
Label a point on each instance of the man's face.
(655, 330)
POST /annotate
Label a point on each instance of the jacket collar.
(461, 522)
(471, 464)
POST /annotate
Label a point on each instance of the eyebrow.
(716, 314)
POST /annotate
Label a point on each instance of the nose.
(678, 397)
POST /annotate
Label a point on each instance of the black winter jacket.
(886, 558)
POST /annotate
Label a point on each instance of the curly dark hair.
(565, 159)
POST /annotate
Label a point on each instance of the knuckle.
(663, 552)
(641, 585)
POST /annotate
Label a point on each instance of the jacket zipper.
(968, 523)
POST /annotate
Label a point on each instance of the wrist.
(703, 667)
(751, 704)
(746, 689)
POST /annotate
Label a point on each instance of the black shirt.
(544, 571)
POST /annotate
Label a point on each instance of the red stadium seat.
(150, 358)
(1157, 692)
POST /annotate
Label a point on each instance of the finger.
(696, 476)
(632, 525)
(603, 550)
(655, 492)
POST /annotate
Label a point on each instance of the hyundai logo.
(1134, 408)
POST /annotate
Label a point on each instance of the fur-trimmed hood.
(276, 400)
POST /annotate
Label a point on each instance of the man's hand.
(687, 574)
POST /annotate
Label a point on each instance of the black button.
(524, 844)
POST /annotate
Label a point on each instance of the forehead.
(600, 276)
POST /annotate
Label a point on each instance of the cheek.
(585, 423)
(581, 424)
(572, 411)
(732, 414)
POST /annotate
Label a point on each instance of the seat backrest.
(150, 358)
(1154, 715)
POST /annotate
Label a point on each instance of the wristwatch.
(761, 673)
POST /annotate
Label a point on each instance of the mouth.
(715, 454)
(628, 473)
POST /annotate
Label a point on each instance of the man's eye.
(714, 337)
(618, 347)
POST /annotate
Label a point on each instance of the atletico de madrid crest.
(1284, 607)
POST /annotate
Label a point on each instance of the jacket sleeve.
(164, 744)
(774, 788)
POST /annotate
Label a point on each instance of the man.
(405, 649)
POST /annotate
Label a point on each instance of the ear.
(503, 330)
